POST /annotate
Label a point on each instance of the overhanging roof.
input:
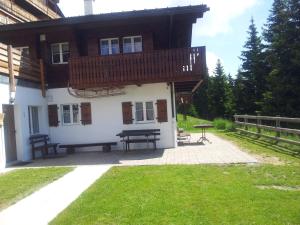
(196, 11)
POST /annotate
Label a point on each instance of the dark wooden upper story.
(148, 45)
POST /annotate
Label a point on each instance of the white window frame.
(30, 119)
(144, 112)
(132, 43)
(60, 44)
(109, 45)
(71, 114)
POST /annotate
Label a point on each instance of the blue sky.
(223, 30)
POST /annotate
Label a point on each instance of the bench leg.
(106, 148)
(70, 150)
(33, 154)
(55, 150)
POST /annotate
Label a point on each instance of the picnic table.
(203, 128)
(134, 136)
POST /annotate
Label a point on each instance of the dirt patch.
(269, 159)
(277, 187)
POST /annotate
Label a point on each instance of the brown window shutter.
(162, 112)
(53, 115)
(127, 112)
(86, 113)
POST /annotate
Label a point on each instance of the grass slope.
(19, 183)
(188, 195)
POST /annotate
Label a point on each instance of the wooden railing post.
(12, 85)
(258, 122)
(42, 76)
(278, 126)
(245, 122)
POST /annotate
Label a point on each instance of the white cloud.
(211, 60)
(221, 13)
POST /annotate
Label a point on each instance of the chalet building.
(90, 77)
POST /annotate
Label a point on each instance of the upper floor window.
(109, 46)
(60, 53)
(132, 44)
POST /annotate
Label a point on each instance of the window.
(132, 44)
(109, 46)
(60, 53)
(33, 112)
(70, 114)
(144, 111)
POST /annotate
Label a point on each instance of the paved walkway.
(219, 152)
(44, 205)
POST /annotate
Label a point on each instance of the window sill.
(145, 122)
(70, 124)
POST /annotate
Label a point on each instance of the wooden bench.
(40, 142)
(149, 134)
(71, 147)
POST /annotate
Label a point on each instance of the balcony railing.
(17, 10)
(23, 67)
(44, 8)
(174, 65)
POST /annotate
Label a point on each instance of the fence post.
(245, 121)
(258, 122)
(278, 126)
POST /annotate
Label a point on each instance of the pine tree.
(251, 78)
(283, 54)
(217, 92)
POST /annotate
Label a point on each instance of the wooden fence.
(271, 124)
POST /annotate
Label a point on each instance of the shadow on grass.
(288, 150)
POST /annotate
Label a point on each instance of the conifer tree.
(280, 34)
(251, 79)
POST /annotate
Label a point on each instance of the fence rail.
(257, 121)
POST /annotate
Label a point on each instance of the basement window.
(132, 44)
(60, 53)
(70, 114)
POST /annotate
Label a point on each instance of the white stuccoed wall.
(28, 97)
(107, 118)
(24, 97)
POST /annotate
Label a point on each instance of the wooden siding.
(17, 11)
(173, 65)
(23, 67)
(38, 4)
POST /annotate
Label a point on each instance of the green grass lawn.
(19, 183)
(266, 193)
(189, 195)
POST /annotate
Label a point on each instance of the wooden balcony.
(174, 65)
(38, 4)
(16, 10)
(22, 67)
